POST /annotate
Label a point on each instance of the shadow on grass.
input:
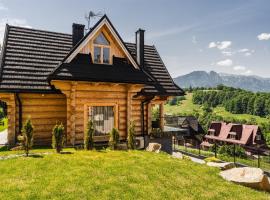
(4, 148)
(35, 156)
(66, 152)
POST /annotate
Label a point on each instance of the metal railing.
(238, 154)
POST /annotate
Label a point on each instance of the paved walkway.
(3, 137)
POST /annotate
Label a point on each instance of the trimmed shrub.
(114, 139)
(212, 159)
(228, 150)
(58, 137)
(89, 136)
(131, 138)
(26, 139)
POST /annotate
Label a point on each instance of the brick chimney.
(77, 33)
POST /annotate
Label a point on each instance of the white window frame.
(101, 46)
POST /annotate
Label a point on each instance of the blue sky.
(231, 36)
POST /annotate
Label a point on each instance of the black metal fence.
(238, 154)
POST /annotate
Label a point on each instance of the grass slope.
(115, 175)
(187, 107)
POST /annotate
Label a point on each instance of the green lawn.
(187, 107)
(114, 175)
(5, 120)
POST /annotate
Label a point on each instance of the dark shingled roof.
(82, 69)
(30, 55)
(155, 67)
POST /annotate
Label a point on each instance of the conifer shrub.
(58, 137)
(26, 139)
(131, 138)
(89, 136)
(114, 139)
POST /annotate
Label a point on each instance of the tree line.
(234, 100)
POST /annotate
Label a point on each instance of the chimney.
(140, 47)
(77, 33)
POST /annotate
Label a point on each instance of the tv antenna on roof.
(90, 15)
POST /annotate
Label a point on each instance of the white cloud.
(220, 45)
(2, 6)
(264, 36)
(194, 40)
(239, 68)
(212, 45)
(13, 21)
(243, 50)
(227, 53)
(224, 45)
(225, 63)
(247, 54)
(248, 72)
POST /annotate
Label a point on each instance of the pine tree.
(58, 137)
(131, 133)
(89, 136)
(27, 136)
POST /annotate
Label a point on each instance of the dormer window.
(232, 135)
(101, 50)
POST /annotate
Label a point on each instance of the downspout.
(144, 102)
(20, 115)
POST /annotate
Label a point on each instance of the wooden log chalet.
(55, 77)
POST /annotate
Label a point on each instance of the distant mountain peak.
(212, 79)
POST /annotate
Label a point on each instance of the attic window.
(100, 39)
(102, 50)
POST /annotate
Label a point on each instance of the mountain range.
(212, 79)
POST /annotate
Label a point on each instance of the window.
(97, 54)
(101, 50)
(103, 118)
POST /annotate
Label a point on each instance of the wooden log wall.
(81, 94)
(44, 110)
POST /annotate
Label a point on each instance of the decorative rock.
(222, 166)
(247, 176)
(177, 155)
(197, 160)
(154, 147)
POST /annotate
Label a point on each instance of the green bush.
(89, 136)
(2, 114)
(131, 138)
(26, 139)
(228, 150)
(114, 139)
(212, 159)
(58, 137)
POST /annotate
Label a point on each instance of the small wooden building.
(71, 78)
(249, 137)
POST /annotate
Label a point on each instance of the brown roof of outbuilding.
(247, 132)
(30, 55)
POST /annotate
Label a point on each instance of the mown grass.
(187, 107)
(114, 175)
(4, 127)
